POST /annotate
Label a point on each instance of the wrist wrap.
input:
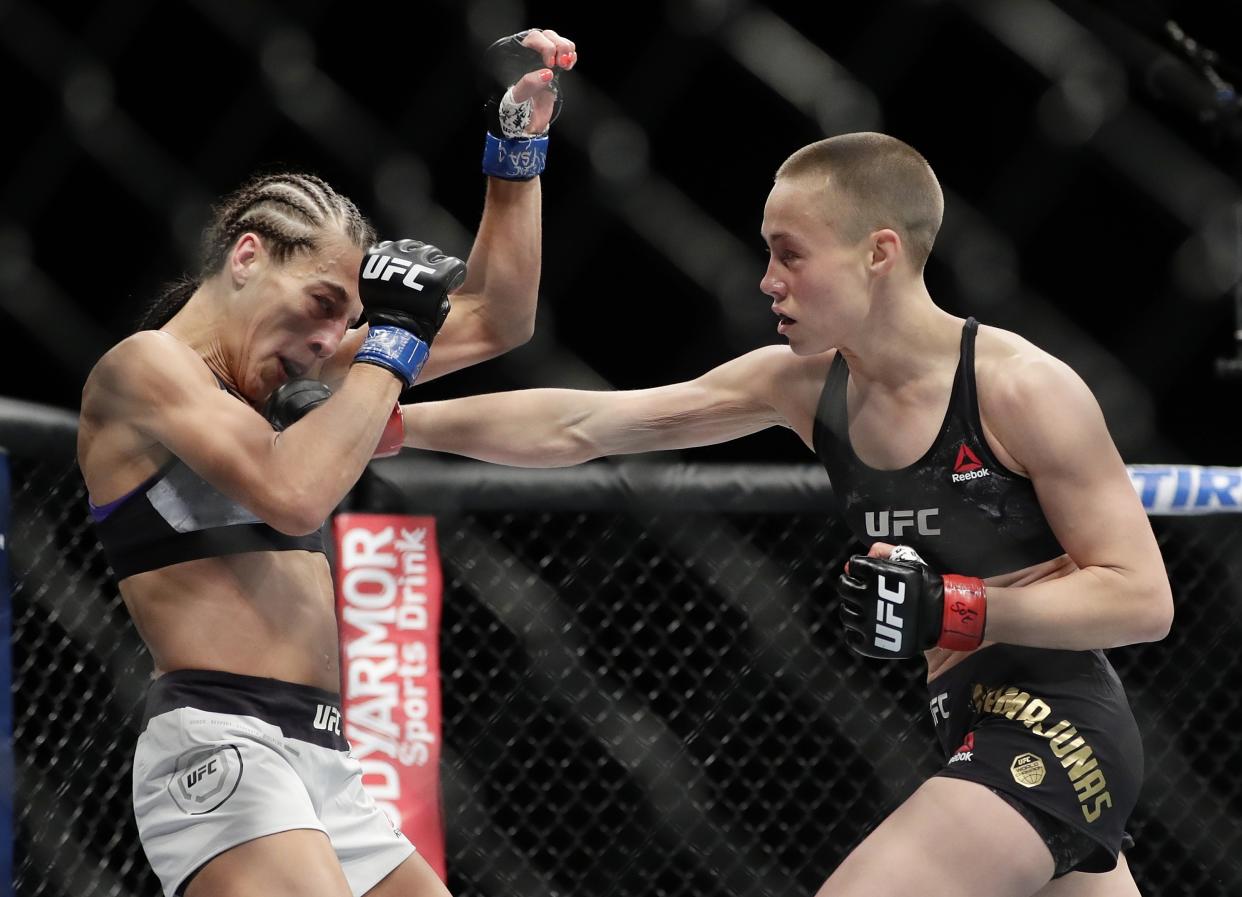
(393, 436)
(965, 613)
(514, 159)
(395, 349)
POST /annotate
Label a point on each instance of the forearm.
(317, 460)
(1093, 607)
(504, 264)
(530, 428)
(560, 427)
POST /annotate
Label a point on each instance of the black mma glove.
(404, 288)
(512, 151)
(899, 608)
(292, 401)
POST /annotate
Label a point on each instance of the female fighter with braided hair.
(978, 450)
(243, 783)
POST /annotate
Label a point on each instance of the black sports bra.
(178, 516)
(958, 506)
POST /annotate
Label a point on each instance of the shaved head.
(873, 181)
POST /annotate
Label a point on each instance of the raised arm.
(494, 310)
(561, 427)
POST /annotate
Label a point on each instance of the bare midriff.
(265, 613)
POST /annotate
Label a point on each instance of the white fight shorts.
(224, 759)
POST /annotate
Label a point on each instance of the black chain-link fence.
(641, 697)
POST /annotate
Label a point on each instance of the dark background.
(1092, 178)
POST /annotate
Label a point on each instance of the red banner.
(388, 593)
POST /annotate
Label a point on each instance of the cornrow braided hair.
(289, 211)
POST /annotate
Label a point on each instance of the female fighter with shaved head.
(243, 783)
(1025, 548)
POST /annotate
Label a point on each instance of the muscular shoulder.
(790, 384)
(1028, 398)
(142, 367)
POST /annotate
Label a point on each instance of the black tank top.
(957, 506)
(178, 516)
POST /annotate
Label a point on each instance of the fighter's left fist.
(523, 97)
(897, 607)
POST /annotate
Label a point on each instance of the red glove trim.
(394, 434)
(965, 613)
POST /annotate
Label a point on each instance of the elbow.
(296, 522)
(1159, 616)
(298, 525)
(515, 333)
(1150, 611)
(573, 447)
(294, 511)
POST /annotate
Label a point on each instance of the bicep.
(465, 339)
(1061, 439)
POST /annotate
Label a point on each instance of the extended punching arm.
(297, 398)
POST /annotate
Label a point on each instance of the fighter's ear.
(246, 253)
(884, 250)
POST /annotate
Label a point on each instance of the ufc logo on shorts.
(888, 624)
(196, 776)
(880, 522)
(328, 718)
(938, 707)
(383, 267)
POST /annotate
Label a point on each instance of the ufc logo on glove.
(896, 607)
(383, 267)
(888, 623)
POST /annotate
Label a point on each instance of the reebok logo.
(966, 752)
(968, 466)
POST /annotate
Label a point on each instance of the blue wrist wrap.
(395, 349)
(514, 159)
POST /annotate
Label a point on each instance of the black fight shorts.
(1052, 733)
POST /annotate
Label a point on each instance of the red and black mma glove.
(292, 401)
(895, 609)
(404, 287)
(512, 151)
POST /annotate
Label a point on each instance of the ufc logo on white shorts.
(328, 718)
(888, 623)
(383, 267)
(880, 522)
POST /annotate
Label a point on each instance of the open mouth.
(291, 371)
(784, 319)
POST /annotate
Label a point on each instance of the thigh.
(201, 790)
(299, 863)
(1117, 883)
(951, 837)
(367, 844)
(413, 878)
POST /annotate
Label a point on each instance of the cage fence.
(645, 690)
